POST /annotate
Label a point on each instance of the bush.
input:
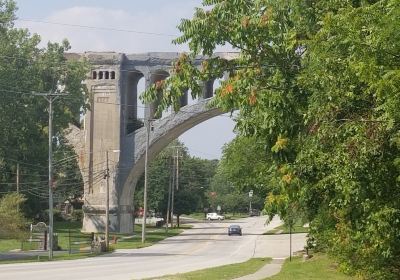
(57, 216)
(77, 215)
(44, 216)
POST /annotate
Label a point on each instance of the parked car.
(234, 229)
(214, 216)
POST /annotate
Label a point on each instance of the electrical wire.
(97, 27)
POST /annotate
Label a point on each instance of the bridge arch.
(164, 132)
(112, 124)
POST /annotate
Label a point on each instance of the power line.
(98, 27)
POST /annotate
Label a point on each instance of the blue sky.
(156, 16)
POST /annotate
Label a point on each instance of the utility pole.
(250, 197)
(17, 177)
(18, 183)
(177, 169)
(51, 97)
(107, 175)
(290, 242)
(175, 182)
(145, 180)
(169, 195)
(173, 192)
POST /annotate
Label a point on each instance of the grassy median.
(319, 267)
(224, 272)
(283, 229)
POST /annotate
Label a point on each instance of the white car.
(214, 216)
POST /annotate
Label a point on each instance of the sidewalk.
(270, 269)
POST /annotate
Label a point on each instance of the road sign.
(251, 193)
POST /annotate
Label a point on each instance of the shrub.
(77, 215)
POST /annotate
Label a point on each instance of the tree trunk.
(177, 220)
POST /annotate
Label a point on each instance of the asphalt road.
(206, 245)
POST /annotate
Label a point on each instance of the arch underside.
(165, 130)
(113, 124)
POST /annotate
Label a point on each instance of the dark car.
(234, 229)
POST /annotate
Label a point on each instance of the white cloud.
(86, 39)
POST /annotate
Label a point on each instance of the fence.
(79, 242)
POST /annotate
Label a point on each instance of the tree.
(246, 164)
(230, 194)
(25, 68)
(194, 179)
(186, 202)
(13, 223)
(317, 84)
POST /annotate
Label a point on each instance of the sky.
(130, 17)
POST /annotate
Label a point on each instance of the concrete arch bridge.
(113, 124)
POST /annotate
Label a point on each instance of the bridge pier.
(112, 125)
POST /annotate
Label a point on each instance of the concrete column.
(150, 109)
(126, 211)
(105, 131)
(208, 88)
(184, 99)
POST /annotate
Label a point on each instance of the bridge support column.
(207, 89)
(184, 99)
(95, 219)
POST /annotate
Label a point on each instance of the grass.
(319, 267)
(225, 272)
(283, 229)
(63, 229)
(9, 244)
(153, 235)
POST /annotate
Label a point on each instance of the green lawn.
(153, 235)
(319, 267)
(282, 229)
(63, 229)
(9, 244)
(221, 272)
(67, 229)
